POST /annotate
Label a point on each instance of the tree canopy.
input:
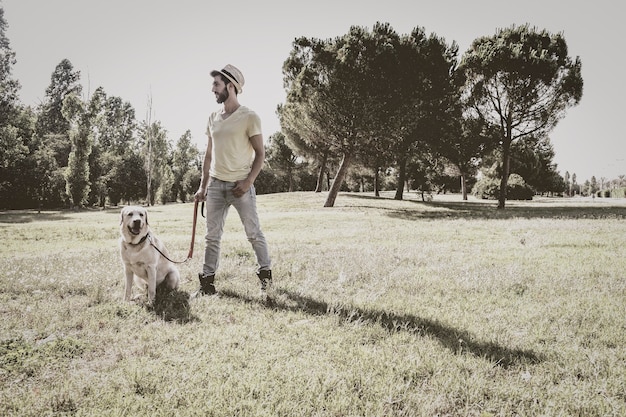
(368, 96)
(520, 81)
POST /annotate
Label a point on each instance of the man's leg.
(246, 207)
(216, 212)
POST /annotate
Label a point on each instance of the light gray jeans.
(219, 198)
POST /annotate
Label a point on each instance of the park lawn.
(380, 308)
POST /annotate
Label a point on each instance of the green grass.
(381, 308)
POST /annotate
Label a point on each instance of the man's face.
(219, 89)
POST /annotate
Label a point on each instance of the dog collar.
(143, 239)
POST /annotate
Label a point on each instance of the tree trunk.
(338, 181)
(149, 161)
(506, 162)
(401, 179)
(464, 187)
(320, 173)
(377, 182)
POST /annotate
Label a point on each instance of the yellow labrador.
(143, 263)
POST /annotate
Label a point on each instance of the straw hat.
(233, 74)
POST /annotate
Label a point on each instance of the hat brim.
(232, 80)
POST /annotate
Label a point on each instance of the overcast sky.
(136, 49)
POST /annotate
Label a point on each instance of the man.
(233, 159)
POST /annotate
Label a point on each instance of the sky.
(163, 51)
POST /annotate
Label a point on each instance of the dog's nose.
(136, 222)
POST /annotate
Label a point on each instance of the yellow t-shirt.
(232, 153)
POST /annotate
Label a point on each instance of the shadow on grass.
(173, 305)
(488, 209)
(28, 216)
(456, 340)
(31, 215)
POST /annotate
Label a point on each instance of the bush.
(517, 189)
(486, 188)
(489, 189)
(618, 193)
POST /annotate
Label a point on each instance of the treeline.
(407, 103)
(76, 152)
(371, 110)
(69, 152)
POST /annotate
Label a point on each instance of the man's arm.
(242, 187)
(206, 164)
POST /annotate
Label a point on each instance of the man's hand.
(200, 194)
(241, 187)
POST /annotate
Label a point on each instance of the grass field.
(380, 308)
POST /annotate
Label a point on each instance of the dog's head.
(133, 223)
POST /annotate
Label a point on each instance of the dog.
(144, 255)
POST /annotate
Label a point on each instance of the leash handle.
(193, 230)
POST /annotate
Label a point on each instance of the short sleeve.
(254, 125)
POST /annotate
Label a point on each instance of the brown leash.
(193, 230)
(193, 237)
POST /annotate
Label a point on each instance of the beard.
(223, 96)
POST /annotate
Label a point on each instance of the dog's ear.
(122, 215)
(146, 214)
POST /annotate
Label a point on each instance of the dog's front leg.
(151, 272)
(128, 288)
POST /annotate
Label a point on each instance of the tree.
(424, 172)
(424, 97)
(521, 81)
(13, 156)
(467, 141)
(9, 87)
(77, 174)
(555, 183)
(568, 184)
(366, 92)
(13, 151)
(127, 181)
(281, 159)
(148, 131)
(52, 126)
(165, 192)
(335, 85)
(593, 186)
(114, 127)
(185, 159)
(532, 159)
(327, 82)
(192, 179)
(97, 171)
(305, 138)
(155, 153)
